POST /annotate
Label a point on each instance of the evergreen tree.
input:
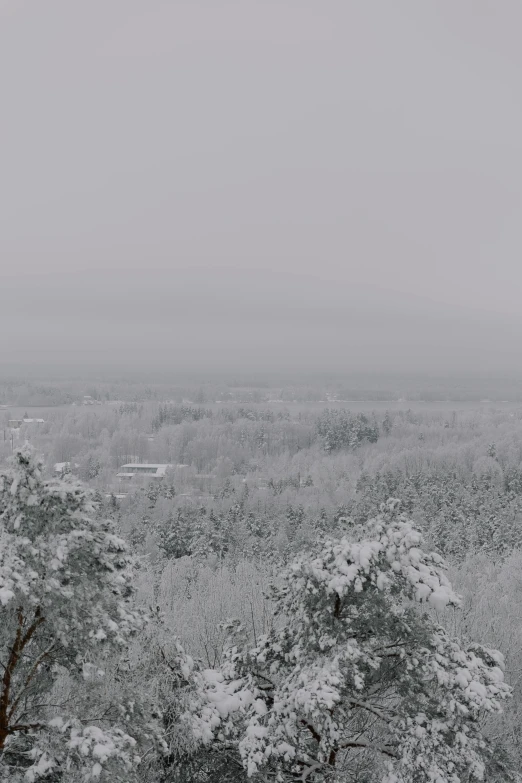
(66, 596)
(387, 423)
(357, 682)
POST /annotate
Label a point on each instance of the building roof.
(151, 469)
(145, 465)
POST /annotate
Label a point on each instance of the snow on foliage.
(90, 749)
(66, 594)
(359, 674)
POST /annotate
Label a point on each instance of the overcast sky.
(367, 142)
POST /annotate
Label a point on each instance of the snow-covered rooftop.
(132, 465)
(152, 469)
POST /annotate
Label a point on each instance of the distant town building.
(142, 469)
(88, 400)
(61, 468)
(15, 424)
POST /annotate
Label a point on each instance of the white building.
(88, 400)
(15, 424)
(61, 468)
(142, 469)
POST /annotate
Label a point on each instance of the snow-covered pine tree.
(66, 602)
(358, 681)
(387, 424)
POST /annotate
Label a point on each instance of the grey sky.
(366, 142)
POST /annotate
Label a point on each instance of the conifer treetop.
(358, 672)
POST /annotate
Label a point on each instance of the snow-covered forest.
(260, 391)
(311, 591)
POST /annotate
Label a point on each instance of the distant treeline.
(177, 414)
(20, 391)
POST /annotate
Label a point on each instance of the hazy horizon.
(237, 320)
(370, 153)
